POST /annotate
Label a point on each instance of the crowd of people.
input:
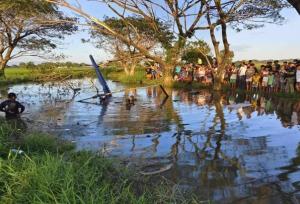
(271, 77)
(154, 71)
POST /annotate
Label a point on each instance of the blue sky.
(270, 42)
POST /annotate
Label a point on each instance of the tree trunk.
(126, 70)
(219, 77)
(4, 60)
(132, 69)
(168, 74)
(222, 60)
(295, 4)
(2, 68)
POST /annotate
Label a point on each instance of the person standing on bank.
(12, 107)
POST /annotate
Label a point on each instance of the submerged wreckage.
(106, 90)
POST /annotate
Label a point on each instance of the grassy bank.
(51, 171)
(21, 75)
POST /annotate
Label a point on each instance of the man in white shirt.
(242, 76)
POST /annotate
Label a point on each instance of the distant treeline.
(32, 65)
(264, 61)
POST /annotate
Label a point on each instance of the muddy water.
(228, 148)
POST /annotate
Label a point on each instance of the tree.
(240, 14)
(137, 31)
(183, 17)
(295, 4)
(30, 28)
(186, 18)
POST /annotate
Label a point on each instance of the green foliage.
(134, 26)
(137, 31)
(33, 27)
(13, 135)
(6, 135)
(197, 50)
(39, 143)
(229, 58)
(29, 7)
(82, 178)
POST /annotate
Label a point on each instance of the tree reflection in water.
(211, 160)
(226, 147)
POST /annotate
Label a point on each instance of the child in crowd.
(209, 76)
(249, 74)
(202, 74)
(270, 81)
(282, 78)
(265, 77)
(256, 81)
(233, 77)
(276, 82)
(149, 73)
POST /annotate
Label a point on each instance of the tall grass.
(81, 178)
(50, 171)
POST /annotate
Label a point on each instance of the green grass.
(139, 77)
(22, 75)
(51, 171)
(81, 178)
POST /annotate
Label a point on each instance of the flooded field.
(228, 148)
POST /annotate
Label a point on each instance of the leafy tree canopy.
(31, 28)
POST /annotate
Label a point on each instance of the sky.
(270, 42)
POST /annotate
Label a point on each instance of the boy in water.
(11, 107)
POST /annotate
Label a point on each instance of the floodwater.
(228, 148)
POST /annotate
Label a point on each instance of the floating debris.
(160, 170)
(17, 151)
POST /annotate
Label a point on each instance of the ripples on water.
(228, 148)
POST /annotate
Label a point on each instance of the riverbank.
(36, 167)
(24, 75)
(139, 79)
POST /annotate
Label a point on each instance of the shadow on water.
(225, 147)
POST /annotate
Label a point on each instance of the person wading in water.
(12, 107)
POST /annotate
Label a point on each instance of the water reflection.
(227, 147)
